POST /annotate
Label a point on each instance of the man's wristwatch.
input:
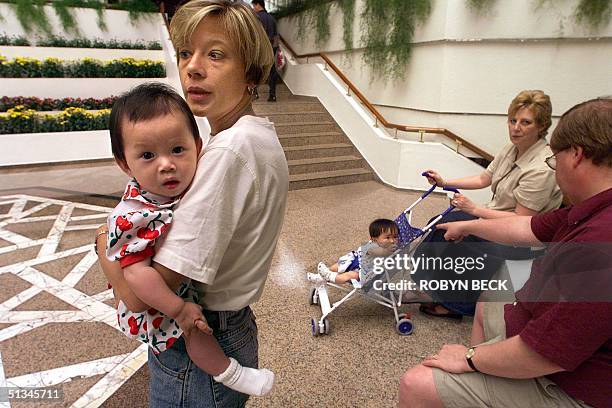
(468, 357)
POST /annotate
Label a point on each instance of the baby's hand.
(190, 317)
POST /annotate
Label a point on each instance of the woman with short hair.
(227, 224)
(521, 183)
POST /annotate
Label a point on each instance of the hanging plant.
(348, 15)
(31, 15)
(480, 6)
(389, 30)
(593, 13)
(65, 16)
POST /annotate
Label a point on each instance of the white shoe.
(324, 271)
(315, 278)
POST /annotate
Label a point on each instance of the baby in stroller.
(382, 243)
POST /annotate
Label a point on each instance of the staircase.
(318, 152)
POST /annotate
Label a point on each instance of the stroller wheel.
(326, 326)
(314, 296)
(314, 324)
(404, 327)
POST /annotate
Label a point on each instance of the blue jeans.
(175, 381)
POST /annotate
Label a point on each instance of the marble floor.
(58, 327)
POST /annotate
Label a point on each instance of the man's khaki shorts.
(481, 390)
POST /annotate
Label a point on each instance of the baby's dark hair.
(381, 225)
(145, 102)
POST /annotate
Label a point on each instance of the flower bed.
(50, 104)
(99, 43)
(23, 120)
(61, 42)
(13, 40)
(23, 67)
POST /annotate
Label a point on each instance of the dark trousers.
(462, 301)
(273, 77)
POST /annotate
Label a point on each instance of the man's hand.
(451, 358)
(190, 317)
(455, 231)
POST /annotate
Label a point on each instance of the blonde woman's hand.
(463, 203)
(434, 177)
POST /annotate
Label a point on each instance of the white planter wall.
(118, 23)
(32, 148)
(70, 87)
(464, 63)
(66, 53)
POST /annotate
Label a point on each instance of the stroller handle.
(451, 207)
(433, 187)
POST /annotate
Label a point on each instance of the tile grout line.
(64, 374)
(56, 232)
(111, 382)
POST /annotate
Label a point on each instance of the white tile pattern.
(116, 369)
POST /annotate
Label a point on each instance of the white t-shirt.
(226, 226)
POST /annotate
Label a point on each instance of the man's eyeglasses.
(552, 160)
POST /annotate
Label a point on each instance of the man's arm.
(510, 358)
(510, 230)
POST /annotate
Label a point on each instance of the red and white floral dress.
(136, 222)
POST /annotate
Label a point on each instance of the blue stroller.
(384, 288)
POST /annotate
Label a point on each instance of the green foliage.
(97, 43)
(308, 13)
(138, 9)
(65, 16)
(387, 34)
(13, 40)
(480, 6)
(22, 67)
(23, 120)
(389, 29)
(50, 104)
(348, 16)
(31, 15)
(593, 13)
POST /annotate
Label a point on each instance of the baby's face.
(386, 239)
(161, 154)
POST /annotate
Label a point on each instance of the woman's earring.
(250, 89)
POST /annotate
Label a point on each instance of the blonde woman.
(521, 184)
(226, 226)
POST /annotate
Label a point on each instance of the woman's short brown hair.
(243, 28)
(538, 103)
(588, 125)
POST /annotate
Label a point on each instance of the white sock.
(326, 273)
(251, 381)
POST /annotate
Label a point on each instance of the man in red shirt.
(556, 351)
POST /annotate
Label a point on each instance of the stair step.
(317, 151)
(267, 108)
(293, 117)
(328, 178)
(304, 127)
(315, 138)
(324, 164)
(282, 97)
